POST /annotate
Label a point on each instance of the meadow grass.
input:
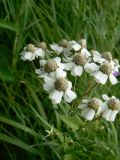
(26, 113)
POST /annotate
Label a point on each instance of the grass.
(25, 114)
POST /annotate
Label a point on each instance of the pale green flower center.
(79, 59)
(106, 68)
(51, 66)
(42, 45)
(61, 84)
(107, 56)
(63, 43)
(94, 103)
(114, 104)
(31, 48)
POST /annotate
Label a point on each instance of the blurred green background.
(25, 110)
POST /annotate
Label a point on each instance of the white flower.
(100, 58)
(74, 45)
(83, 43)
(97, 57)
(41, 49)
(110, 107)
(77, 62)
(90, 108)
(102, 73)
(65, 47)
(49, 66)
(58, 86)
(31, 52)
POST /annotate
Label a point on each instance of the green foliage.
(27, 116)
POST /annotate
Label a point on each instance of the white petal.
(105, 97)
(22, 55)
(113, 79)
(85, 100)
(84, 112)
(104, 106)
(61, 66)
(39, 71)
(97, 57)
(76, 47)
(57, 48)
(88, 113)
(113, 115)
(67, 52)
(53, 75)
(42, 62)
(85, 52)
(39, 52)
(48, 86)
(96, 54)
(69, 66)
(77, 70)
(48, 80)
(69, 85)
(56, 96)
(100, 77)
(69, 96)
(91, 67)
(107, 114)
(57, 59)
(82, 106)
(60, 73)
(67, 59)
(29, 56)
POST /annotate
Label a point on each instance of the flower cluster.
(65, 58)
(94, 107)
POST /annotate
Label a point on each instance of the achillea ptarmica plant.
(62, 64)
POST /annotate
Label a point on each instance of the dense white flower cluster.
(60, 60)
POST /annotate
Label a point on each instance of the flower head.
(102, 72)
(49, 66)
(31, 52)
(77, 62)
(58, 86)
(90, 108)
(110, 107)
(65, 47)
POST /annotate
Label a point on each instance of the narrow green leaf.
(18, 143)
(70, 121)
(20, 126)
(8, 25)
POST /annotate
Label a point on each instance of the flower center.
(42, 45)
(63, 43)
(94, 103)
(114, 104)
(61, 84)
(79, 59)
(31, 48)
(51, 66)
(106, 68)
(107, 56)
